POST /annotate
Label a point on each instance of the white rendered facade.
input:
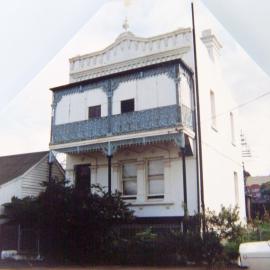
(134, 102)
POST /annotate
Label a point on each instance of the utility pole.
(198, 121)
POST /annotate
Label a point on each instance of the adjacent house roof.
(259, 180)
(16, 165)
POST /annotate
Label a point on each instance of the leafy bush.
(231, 250)
(226, 224)
(228, 229)
(212, 248)
(73, 226)
(82, 228)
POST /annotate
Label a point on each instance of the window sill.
(152, 203)
(129, 198)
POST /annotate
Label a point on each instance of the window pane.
(127, 105)
(155, 167)
(129, 170)
(130, 187)
(94, 111)
(156, 186)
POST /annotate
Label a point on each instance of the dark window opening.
(83, 178)
(127, 105)
(94, 111)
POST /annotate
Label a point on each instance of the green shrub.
(231, 250)
(226, 224)
(73, 226)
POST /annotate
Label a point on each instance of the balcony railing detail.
(151, 119)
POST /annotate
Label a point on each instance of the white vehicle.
(255, 255)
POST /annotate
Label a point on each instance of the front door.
(83, 178)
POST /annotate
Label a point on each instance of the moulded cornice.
(130, 64)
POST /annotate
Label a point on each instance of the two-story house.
(127, 121)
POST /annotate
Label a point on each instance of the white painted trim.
(152, 203)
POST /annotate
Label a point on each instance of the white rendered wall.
(221, 158)
(172, 204)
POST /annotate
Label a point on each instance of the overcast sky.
(39, 36)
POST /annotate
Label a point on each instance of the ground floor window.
(155, 171)
(129, 180)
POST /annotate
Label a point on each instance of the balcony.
(138, 121)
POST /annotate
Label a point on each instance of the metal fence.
(130, 231)
(14, 237)
(257, 235)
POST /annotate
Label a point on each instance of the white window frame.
(162, 176)
(122, 180)
(232, 128)
(213, 110)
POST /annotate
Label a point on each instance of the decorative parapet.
(138, 121)
(126, 48)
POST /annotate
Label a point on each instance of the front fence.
(14, 237)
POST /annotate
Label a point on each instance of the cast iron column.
(109, 157)
(183, 154)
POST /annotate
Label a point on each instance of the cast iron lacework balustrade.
(163, 117)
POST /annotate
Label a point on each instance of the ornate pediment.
(130, 51)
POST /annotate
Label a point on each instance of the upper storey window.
(127, 105)
(213, 110)
(94, 111)
(232, 128)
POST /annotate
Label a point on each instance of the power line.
(244, 104)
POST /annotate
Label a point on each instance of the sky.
(40, 36)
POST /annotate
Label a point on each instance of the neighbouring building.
(128, 121)
(22, 175)
(258, 189)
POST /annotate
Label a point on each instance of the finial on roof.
(125, 24)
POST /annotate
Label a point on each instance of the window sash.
(156, 185)
(129, 186)
(129, 179)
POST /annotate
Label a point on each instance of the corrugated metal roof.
(16, 165)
